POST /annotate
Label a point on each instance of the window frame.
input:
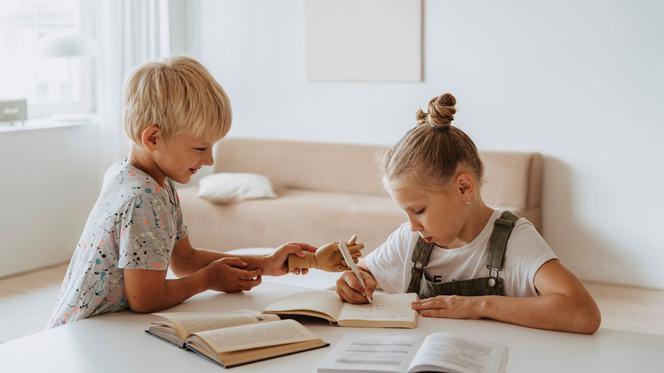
(88, 102)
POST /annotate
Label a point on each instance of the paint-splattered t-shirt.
(135, 223)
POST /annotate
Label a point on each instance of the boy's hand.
(227, 275)
(448, 306)
(276, 264)
(350, 290)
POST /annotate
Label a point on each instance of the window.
(50, 85)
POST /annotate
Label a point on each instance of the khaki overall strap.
(420, 258)
(502, 229)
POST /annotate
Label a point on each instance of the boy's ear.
(150, 137)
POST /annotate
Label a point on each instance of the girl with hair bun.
(463, 258)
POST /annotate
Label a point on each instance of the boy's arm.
(150, 291)
(185, 259)
(564, 304)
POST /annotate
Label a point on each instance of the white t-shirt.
(526, 252)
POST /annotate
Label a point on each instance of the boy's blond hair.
(178, 95)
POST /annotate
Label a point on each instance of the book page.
(192, 322)
(324, 301)
(381, 353)
(458, 354)
(245, 337)
(390, 307)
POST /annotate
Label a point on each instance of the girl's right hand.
(350, 290)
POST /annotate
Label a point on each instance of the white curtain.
(130, 32)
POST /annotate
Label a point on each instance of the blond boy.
(174, 111)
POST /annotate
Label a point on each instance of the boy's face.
(182, 156)
(437, 215)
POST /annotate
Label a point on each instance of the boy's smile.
(177, 158)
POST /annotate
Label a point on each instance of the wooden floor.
(26, 302)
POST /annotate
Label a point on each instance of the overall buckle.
(493, 278)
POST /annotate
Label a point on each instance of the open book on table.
(438, 352)
(234, 338)
(386, 311)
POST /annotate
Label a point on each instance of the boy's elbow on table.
(591, 319)
(143, 305)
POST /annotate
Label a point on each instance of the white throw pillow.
(226, 187)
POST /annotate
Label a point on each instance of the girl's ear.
(150, 137)
(466, 185)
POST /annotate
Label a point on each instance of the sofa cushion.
(229, 187)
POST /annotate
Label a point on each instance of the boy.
(174, 111)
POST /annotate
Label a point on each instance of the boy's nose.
(208, 160)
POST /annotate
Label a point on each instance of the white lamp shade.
(73, 44)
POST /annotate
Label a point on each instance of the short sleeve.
(181, 227)
(526, 252)
(147, 234)
(388, 263)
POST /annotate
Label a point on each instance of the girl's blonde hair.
(178, 95)
(429, 154)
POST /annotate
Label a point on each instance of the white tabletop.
(117, 342)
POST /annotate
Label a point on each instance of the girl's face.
(437, 215)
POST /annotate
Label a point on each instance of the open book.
(234, 338)
(439, 352)
(386, 311)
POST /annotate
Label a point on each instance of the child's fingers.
(246, 275)
(350, 295)
(248, 284)
(303, 246)
(429, 303)
(356, 247)
(354, 283)
(299, 249)
(369, 282)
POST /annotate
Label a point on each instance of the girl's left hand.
(448, 306)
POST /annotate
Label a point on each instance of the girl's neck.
(478, 217)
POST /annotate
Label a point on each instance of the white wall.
(579, 81)
(49, 181)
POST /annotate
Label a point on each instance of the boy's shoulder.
(124, 183)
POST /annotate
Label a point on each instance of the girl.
(464, 259)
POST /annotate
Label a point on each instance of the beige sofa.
(330, 191)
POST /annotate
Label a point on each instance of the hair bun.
(441, 111)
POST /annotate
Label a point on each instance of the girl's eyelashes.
(201, 149)
(418, 212)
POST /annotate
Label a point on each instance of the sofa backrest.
(512, 179)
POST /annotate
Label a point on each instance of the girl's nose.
(415, 226)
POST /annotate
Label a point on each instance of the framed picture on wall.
(363, 40)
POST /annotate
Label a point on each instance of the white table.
(117, 342)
